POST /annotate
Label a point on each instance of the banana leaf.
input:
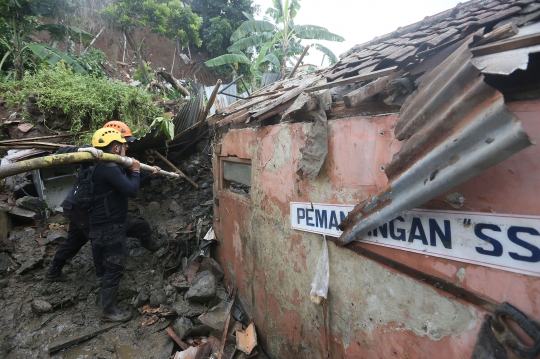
(53, 56)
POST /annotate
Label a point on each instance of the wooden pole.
(299, 61)
(169, 163)
(226, 330)
(40, 138)
(208, 107)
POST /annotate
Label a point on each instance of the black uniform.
(109, 222)
(79, 225)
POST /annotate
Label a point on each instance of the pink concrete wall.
(373, 312)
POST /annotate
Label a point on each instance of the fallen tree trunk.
(168, 77)
(69, 159)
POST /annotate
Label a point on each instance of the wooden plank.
(501, 33)
(506, 45)
(76, 340)
(363, 93)
(226, 330)
(370, 107)
(208, 107)
(175, 337)
(369, 76)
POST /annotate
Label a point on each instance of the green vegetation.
(168, 18)
(18, 20)
(88, 101)
(273, 43)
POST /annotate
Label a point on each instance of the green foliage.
(165, 125)
(216, 35)
(139, 76)
(92, 62)
(52, 56)
(167, 18)
(88, 101)
(276, 41)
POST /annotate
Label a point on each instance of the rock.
(204, 185)
(5, 262)
(183, 308)
(31, 203)
(180, 283)
(169, 290)
(214, 267)
(56, 235)
(203, 287)
(175, 207)
(217, 316)
(141, 298)
(181, 326)
(4, 283)
(40, 306)
(153, 207)
(31, 263)
(157, 298)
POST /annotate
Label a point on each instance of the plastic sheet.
(319, 286)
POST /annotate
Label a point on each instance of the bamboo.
(41, 137)
(164, 159)
(72, 158)
(208, 107)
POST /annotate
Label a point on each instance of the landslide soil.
(174, 209)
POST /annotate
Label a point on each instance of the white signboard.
(502, 241)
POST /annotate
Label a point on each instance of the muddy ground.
(177, 211)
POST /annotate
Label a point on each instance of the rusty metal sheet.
(456, 126)
(184, 119)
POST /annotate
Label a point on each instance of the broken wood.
(501, 33)
(225, 331)
(365, 92)
(42, 137)
(364, 77)
(67, 343)
(169, 163)
(374, 106)
(298, 62)
(507, 45)
(170, 79)
(175, 337)
(208, 106)
(246, 340)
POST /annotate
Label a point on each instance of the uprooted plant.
(87, 102)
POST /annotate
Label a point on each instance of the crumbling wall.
(373, 311)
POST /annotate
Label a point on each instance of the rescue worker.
(109, 219)
(79, 218)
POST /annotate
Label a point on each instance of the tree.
(168, 18)
(274, 42)
(19, 16)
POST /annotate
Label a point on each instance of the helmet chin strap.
(119, 153)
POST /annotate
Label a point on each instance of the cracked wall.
(372, 310)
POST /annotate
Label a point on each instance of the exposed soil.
(175, 210)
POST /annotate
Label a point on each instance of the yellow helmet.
(104, 136)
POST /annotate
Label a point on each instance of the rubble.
(203, 288)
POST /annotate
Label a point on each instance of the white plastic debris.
(319, 286)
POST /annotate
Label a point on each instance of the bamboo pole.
(299, 61)
(208, 107)
(169, 163)
(72, 158)
(41, 137)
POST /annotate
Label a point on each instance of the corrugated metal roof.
(184, 119)
(456, 126)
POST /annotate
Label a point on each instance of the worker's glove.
(94, 151)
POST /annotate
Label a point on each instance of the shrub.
(87, 101)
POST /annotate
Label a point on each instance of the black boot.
(54, 273)
(110, 312)
(153, 245)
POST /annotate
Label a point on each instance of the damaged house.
(385, 207)
(414, 157)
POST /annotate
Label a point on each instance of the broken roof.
(388, 54)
